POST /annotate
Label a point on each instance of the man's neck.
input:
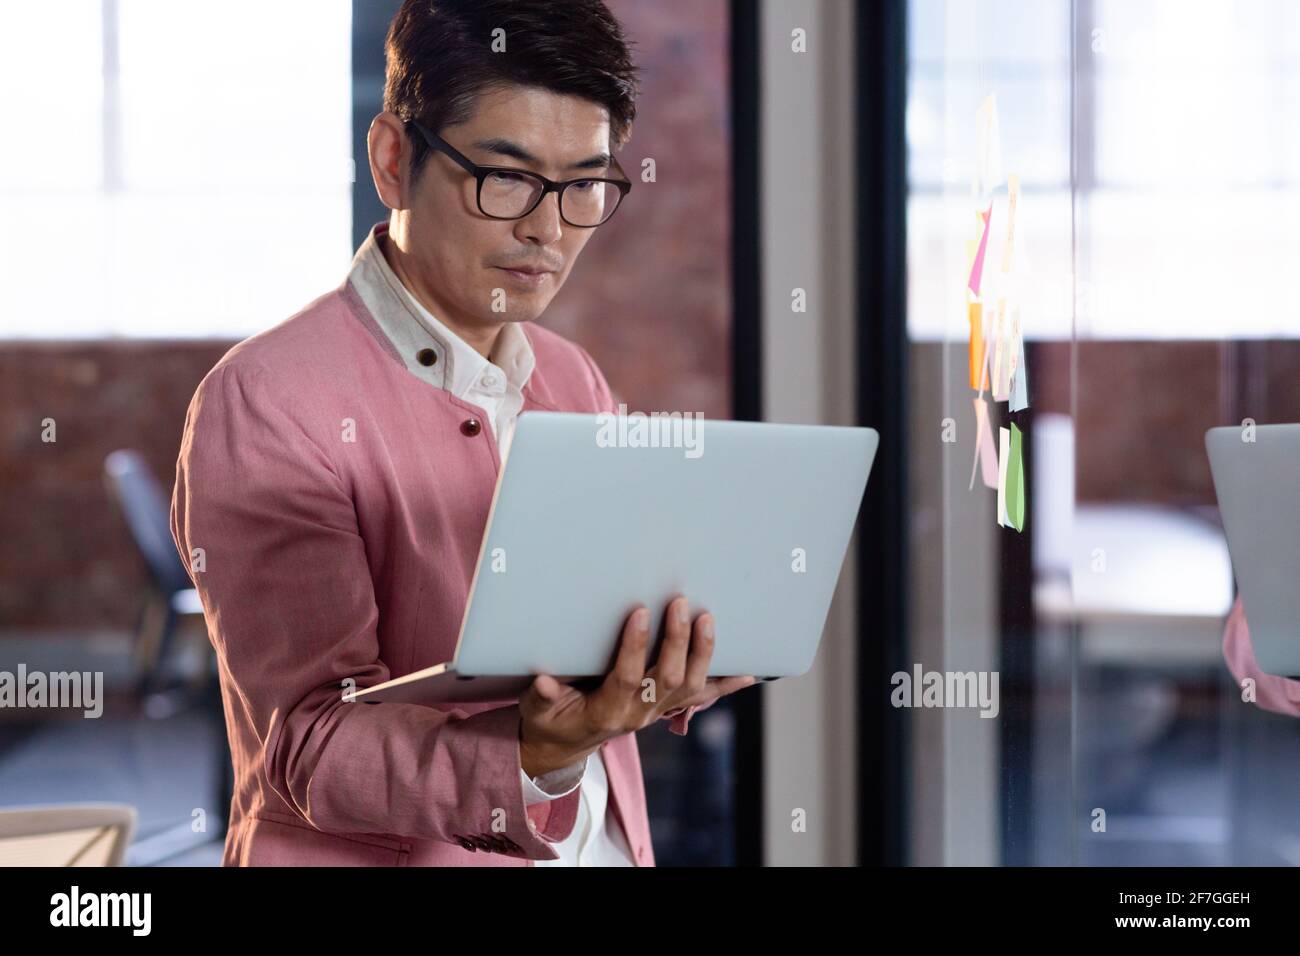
(480, 338)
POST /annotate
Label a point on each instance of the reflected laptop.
(1258, 485)
(594, 514)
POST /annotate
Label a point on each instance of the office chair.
(171, 595)
(171, 598)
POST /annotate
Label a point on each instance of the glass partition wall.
(1104, 206)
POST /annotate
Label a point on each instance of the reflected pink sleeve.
(1278, 694)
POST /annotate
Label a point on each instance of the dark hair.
(439, 59)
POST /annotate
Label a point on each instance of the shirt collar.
(456, 365)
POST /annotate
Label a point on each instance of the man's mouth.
(528, 275)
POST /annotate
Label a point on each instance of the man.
(336, 470)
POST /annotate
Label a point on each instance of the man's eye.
(499, 177)
(583, 185)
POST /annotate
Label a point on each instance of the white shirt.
(496, 387)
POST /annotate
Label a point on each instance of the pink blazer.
(1278, 694)
(330, 507)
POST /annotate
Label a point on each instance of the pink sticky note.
(977, 270)
(986, 453)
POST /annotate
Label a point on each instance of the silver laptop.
(595, 514)
(1258, 485)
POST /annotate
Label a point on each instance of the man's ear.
(387, 146)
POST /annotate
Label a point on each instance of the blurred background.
(180, 177)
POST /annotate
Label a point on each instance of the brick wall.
(1143, 409)
(66, 560)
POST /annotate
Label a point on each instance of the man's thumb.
(547, 687)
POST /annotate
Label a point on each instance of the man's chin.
(516, 307)
(515, 314)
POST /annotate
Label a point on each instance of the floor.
(1184, 774)
(166, 768)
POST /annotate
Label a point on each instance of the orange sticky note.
(978, 367)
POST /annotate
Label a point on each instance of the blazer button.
(426, 356)
(470, 427)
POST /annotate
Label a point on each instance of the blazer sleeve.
(291, 612)
(1278, 694)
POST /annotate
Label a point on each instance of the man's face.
(461, 258)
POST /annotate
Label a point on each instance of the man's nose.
(543, 225)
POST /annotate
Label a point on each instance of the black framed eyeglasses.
(504, 192)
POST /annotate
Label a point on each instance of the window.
(159, 186)
(1189, 169)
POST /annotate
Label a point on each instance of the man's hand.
(562, 725)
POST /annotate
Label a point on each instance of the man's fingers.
(729, 685)
(629, 666)
(540, 696)
(697, 668)
(670, 669)
(716, 688)
(547, 687)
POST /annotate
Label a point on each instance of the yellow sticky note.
(1001, 363)
(1013, 199)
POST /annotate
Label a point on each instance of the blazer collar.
(414, 332)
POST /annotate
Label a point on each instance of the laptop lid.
(594, 514)
(1258, 486)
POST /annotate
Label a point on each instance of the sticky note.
(986, 453)
(985, 358)
(1001, 356)
(1019, 379)
(978, 365)
(1004, 451)
(1015, 480)
(977, 269)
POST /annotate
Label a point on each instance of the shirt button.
(491, 381)
(470, 427)
(426, 356)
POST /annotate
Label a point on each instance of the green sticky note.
(1016, 480)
